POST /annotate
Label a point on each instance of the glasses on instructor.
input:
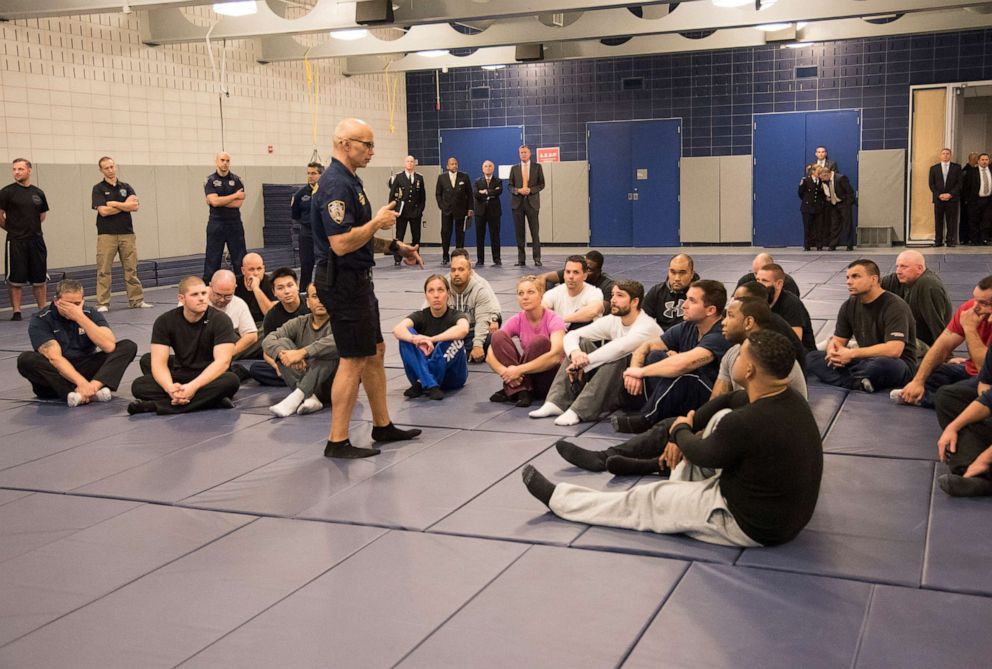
(368, 145)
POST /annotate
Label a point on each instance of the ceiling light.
(773, 27)
(235, 8)
(731, 3)
(798, 45)
(493, 67)
(350, 35)
(433, 53)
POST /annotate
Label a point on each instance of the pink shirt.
(519, 326)
(984, 332)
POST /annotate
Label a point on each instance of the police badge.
(335, 210)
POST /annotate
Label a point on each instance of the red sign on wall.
(549, 154)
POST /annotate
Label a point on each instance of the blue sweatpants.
(446, 367)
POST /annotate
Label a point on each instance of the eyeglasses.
(368, 145)
(223, 298)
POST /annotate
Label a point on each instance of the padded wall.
(735, 199)
(881, 194)
(700, 219)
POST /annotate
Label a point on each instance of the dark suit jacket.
(536, 184)
(972, 183)
(843, 191)
(967, 170)
(413, 195)
(488, 203)
(811, 196)
(454, 201)
(953, 185)
(830, 164)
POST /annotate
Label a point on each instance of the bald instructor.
(225, 194)
(344, 246)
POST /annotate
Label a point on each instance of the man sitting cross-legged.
(307, 357)
(432, 344)
(197, 376)
(970, 325)
(527, 369)
(886, 333)
(964, 443)
(576, 301)
(746, 466)
(588, 381)
(287, 307)
(676, 374)
(640, 455)
(76, 357)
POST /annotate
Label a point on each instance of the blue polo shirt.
(685, 337)
(339, 205)
(223, 186)
(48, 324)
(299, 206)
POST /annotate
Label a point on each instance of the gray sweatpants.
(600, 393)
(689, 503)
(316, 380)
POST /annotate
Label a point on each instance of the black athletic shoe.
(499, 396)
(435, 393)
(140, 406)
(16, 316)
(633, 424)
(416, 390)
(524, 399)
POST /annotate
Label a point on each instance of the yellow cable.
(313, 92)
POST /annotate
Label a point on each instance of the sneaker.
(103, 395)
(103, 308)
(143, 305)
(435, 393)
(416, 390)
(866, 386)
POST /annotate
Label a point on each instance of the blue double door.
(783, 145)
(473, 146)
(634, 182)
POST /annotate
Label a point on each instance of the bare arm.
(246, 341)
(641, 354)
(548, 360)
(53, 352)
(359, 236)
(457, 331)
(223, 353)
(679, 364)
(160, 367)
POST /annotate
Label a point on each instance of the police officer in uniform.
(344, 244)
(225, 195)
(300, 213)
(408, 187)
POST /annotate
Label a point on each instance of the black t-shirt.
(115, 224)
(223, 186)
(771, 461)
(278, 316)
(193, 343)
(664, 305)
(789, 283)
(887, 318)
(249, 297)
(23, 206)
(793, 311)
(424, 323)
(779, 325)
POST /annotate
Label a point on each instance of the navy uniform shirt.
(339, 205)
(223, 186)
(300, 205)
(48, 324)
(115, 224)
(685, 337)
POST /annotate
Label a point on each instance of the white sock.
(310, 405)
(289, 405)
(568, 418)
(103, 395)
(547, 409)
(74, 399)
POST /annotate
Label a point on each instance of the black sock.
(539, 487)
(344, 450)
(392, 433)
(621, 465)
(141, 406)
(592, 461)
(959, 486)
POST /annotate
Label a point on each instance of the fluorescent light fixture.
(773, 27)
(798, 45)
(731, 3)
(433, 53)
(493, 67)
(349, 35)
(235, 8)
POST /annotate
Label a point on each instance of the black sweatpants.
(107, 368)
(209, 396)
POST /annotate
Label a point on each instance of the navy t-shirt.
(339, 205)
(223, 186)
(48, 324)
(685, 336)
(115, 224)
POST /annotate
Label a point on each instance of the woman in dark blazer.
(813, 199)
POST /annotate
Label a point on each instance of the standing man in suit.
(811, 207)
(454, 197)
(408, 187)
(823, 161)
(979, 211)
(526, 184)
(945, 184)
(488, 209)
(967, 171)
(840, 208)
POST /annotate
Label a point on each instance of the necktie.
(452, 179)
(526, 174)
(944, 167)
(985, 182)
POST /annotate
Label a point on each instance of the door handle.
(636, 195)
(630, 196)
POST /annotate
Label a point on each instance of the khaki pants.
(108, 246)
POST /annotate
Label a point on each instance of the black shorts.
(27, 262)
(353, 309)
